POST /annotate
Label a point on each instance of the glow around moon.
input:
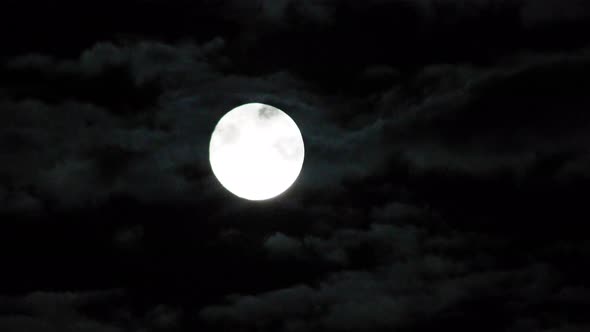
(256, 151)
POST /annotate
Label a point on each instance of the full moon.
(256, 151)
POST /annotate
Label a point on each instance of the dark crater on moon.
(267, 112)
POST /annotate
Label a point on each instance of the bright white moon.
(256, 151)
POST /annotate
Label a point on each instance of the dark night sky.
(445, 182)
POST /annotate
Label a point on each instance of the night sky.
(445, 184)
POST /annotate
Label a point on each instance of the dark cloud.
(543, 12)
(79, 153)
(444, 120)
(414, 285)
(413, 277)
(282, 245)
(458, 122)
(129, 238)
(45, 311)
(472, 113)
(124, 78)
(444, 181)
(164, 318)
(81, 311)
(284, 11)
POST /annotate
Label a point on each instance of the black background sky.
(444, 187)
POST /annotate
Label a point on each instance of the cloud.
(533, 12)
(543, 12)
(98, 311)
(481, 120)
(343, 244)
(284, 12)
(67, 150)
(323, 11)
(398, 294)
(129, 237)
(47, 312)
(135, 73)
(423, 199)
(164, 318)
(397, 212)
(282, 245)
(407, 270)
(78, 152)
(452, 118)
